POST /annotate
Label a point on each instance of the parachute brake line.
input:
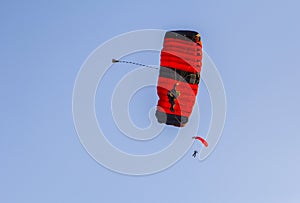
(134, 63)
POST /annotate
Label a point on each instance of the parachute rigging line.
(134, 63)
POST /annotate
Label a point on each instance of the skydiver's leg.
(172, 105)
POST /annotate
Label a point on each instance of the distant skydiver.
(195, 153)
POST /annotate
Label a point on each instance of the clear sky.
(255, 46)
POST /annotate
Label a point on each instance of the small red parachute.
(202, 140)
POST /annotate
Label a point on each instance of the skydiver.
(172, 96)
(195, 153)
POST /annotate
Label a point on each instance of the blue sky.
(255, 46)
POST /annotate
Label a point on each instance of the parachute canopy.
(179, 76)
(201, 140)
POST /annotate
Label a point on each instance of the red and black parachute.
(179, 76)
